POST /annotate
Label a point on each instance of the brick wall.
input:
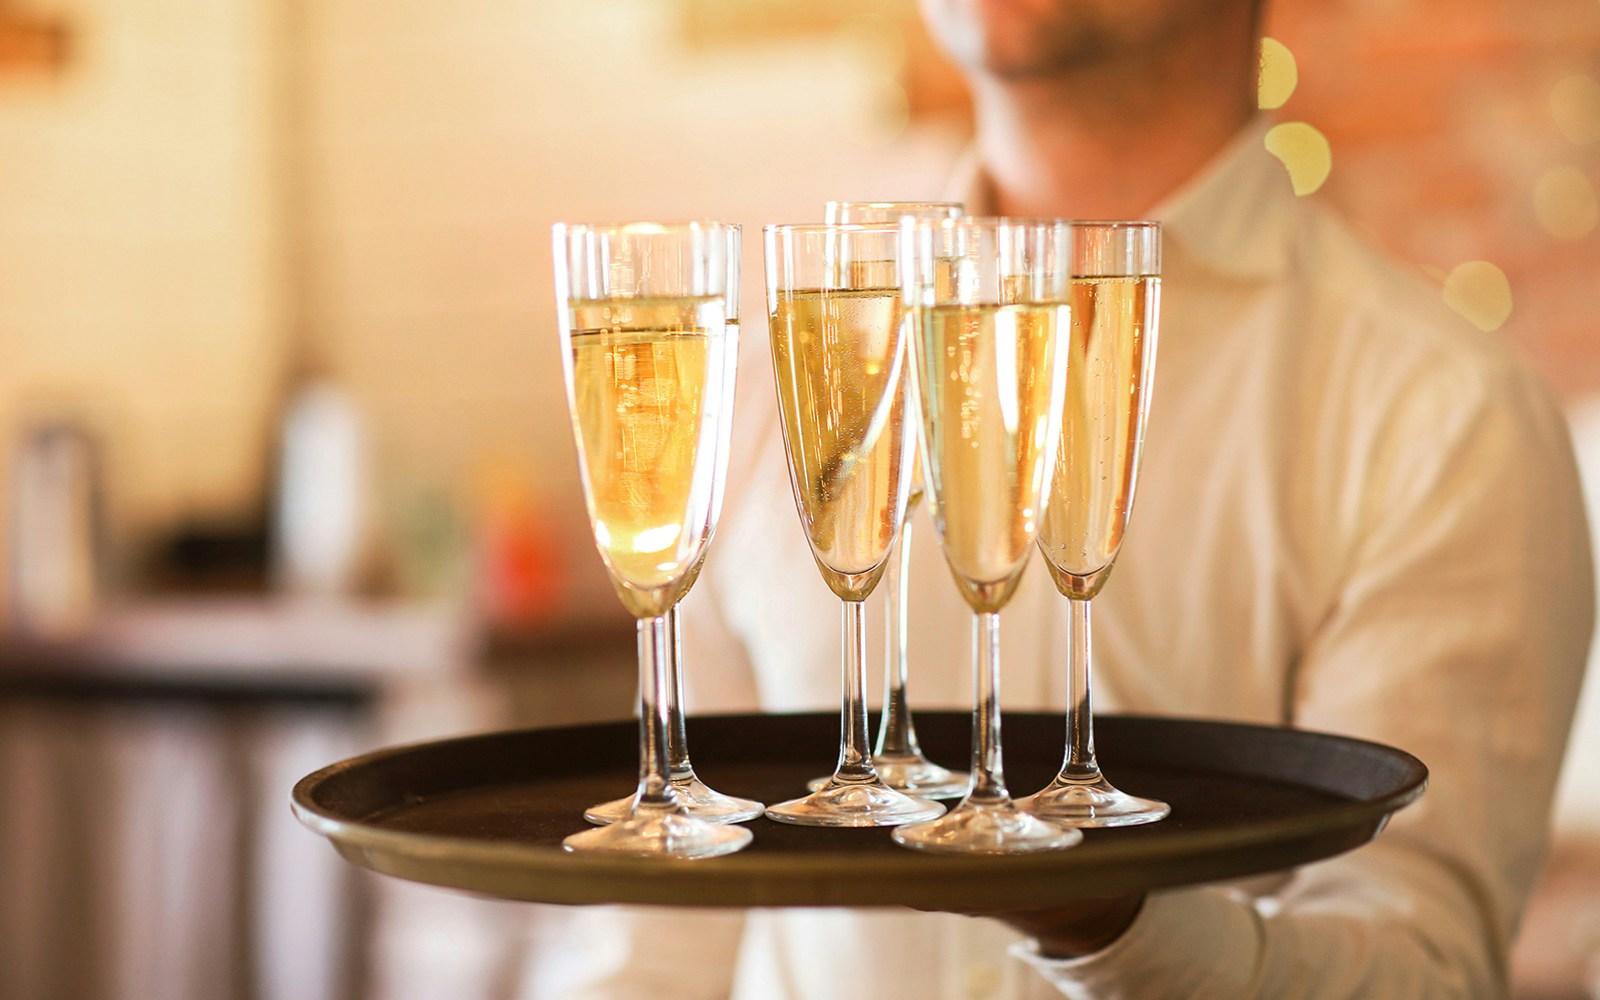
(1467, 130)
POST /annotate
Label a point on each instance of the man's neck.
(1107, 141)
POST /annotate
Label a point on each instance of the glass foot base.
(1092, 804)
(700, 801)
(918, 775)
(998, 828)
(867, 803)
(660, 834)
(912, 773)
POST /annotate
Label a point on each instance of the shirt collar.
(1235, 216)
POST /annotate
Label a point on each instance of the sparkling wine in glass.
(838, 354)
(645, 353)
(1116, 291)
(990, 368)
(898, 754)
(699, 799)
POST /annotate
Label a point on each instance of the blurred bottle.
(56, 532)
(320, 514)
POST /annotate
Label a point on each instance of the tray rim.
(408, 855)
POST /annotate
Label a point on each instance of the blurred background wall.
(141, 259)
(208, 207)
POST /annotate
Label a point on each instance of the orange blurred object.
(520, 570)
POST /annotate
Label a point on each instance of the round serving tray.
(486, 814)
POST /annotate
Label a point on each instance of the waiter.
(1356, 514)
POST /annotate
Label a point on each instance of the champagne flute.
(1116, 291)
(645, 347)
(990, 367)
(699, 799)
(898, 754)
(838, 354)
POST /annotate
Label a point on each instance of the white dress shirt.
(1356, 514)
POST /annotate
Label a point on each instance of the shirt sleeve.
(1460, 635)
(628, 952)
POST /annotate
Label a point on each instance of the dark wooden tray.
(486, 814)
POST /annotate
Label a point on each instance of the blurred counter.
(245, 647)
(146, 764)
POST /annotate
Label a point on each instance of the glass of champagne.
(699, 799)
(990, 368)
(838, 354)
(1116, 292)
(898, 754)
(645, 353)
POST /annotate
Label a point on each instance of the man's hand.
(1072, 930)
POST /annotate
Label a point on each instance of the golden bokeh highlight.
(1279, 74)
(1480, 292)
(1565, 205)
(1305, 152)
(1575, 105)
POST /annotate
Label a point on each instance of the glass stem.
(655, 791)
(855, 765)
(896, 734)
(1079, 765)
(677, 731)
(988, 771)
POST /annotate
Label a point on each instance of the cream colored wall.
(139, 279)
(446, 138)
(143, 221)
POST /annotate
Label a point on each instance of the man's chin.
(1036, 68)
(1020, 56)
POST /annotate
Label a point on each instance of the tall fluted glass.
(991, 365)
(839, 359)
(645, 353)
(898, 753)
(1116, 292)
(699, 799)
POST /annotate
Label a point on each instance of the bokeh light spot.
(1279, 74)
(1304, 151)
(1480, 292)
(1564, 202)
(1575, 105)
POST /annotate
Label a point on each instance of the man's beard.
(1069, 38)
